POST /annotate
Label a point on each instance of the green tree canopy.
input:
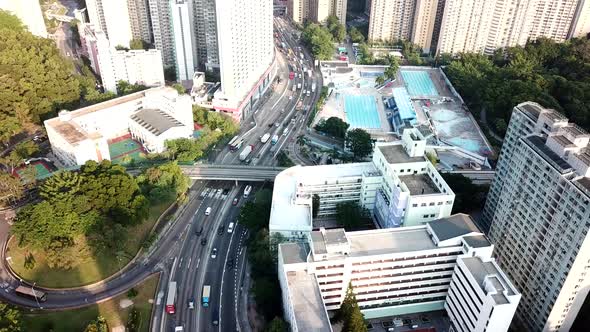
(333, 126)
(350, 313)
(35, 79)
(11, 188)
(163, 182)
(351, 215)
(137, 44)
(468, 196)
(10, 318)
(98, 325)
(391, 71)
(319, 40)
(277, 324)
(336, 28)
(359, 142)
(356, 36)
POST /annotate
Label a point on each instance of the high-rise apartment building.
(539, 211)
(29, 12)
(424, 23)
(184, 38)
(246, 54)
(161, 22)
(139, 17)
(581, 25)
(205, 20)
(316, 10)
(391, 20)
(112, 17)
(552, 19)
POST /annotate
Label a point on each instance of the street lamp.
(35, 295)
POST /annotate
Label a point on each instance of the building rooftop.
(563, 141)
(489, 270)
(477, 241)
(324, 239)
(419, 184)
(308, 305)
(396, 154)
(532, 110)
(583, 183)
(70, 132)
(453, 226)
(537, 143)
(156, 121)
(294, 252)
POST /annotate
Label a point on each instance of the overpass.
(232, 172)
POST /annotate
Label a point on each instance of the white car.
(230, 227)
(191, 304)
(208, 211)
(214, 253)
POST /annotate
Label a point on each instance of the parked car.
(235, 201)
(214, 253)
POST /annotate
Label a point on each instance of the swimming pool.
(361, 112)
(419, 83)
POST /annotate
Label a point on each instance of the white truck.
(264, 138)
(299, 86)
(313, 87)
(246, 152)
(309, 73)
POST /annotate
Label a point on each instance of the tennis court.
(361, 112)
(419, 83)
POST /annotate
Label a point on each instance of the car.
(218, 193)
(225, 191)
(230, 227)
(270, 125)
(208, 211)
(276, 124)
(214, 253)
(230, 263)
(199, 231)
(248, 161)
(204, 241)
(235, 201)
(215, 319)
(220, 230)
(191, 304)
(290, 97)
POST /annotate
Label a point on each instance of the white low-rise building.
(134, 66)
(400, 187)
(443, 264)
(151, 116)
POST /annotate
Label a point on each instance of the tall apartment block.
(445, 264)
(581, 26)
(390, 20)
(112, 17)
(205, 20)
(316, 10)
(246, 54)
(139, 16)
(161, 22)
(184, 38)
(400, 187)
(539, 213)
(29, 12)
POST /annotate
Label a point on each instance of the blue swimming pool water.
(361, 112)
(419, 83)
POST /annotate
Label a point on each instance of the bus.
(206, 295)
(31, 293)
(236, 145)
(171, 298)
(233, 141)
(247, 191)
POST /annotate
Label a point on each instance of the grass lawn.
(91, 268)
(78, 319)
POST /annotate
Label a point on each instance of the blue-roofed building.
(404, 113)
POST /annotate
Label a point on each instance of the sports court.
(361, 111)
(419, 83)
(124, 146)
(42, 169)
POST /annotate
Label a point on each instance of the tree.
(283, 160)
(333, 126)
(255, 215)
(35, 80)
(319, 40)
(350, 313)
(391, 71)
(336, 28)
(359, 142)
(315, 205)
(163, 182)
(267, 294)
(137, 44)
(379, 80)
(19, 153)
(468, 196)
(178, 87)
(351, 215)
(124, 88)
(277, 324)
(133, 320)
(301, 140)
(98, 325)
(10, 318)
(356, 36)
(11, 188)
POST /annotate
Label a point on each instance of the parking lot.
(435, 321)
